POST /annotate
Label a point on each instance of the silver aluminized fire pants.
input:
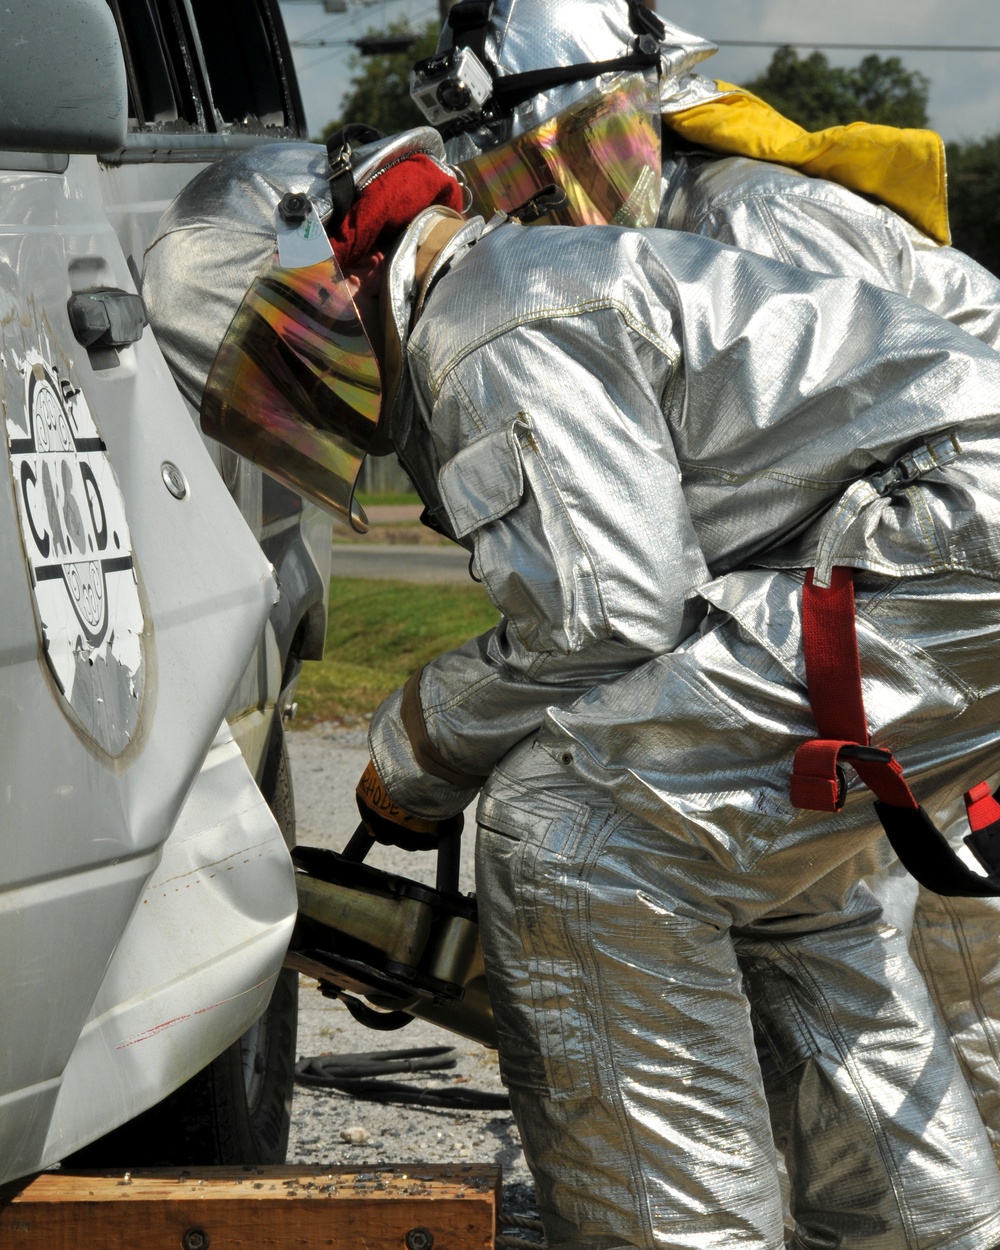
(621, 955)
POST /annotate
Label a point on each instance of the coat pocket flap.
(483, 482)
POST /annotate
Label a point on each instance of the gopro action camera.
(451, 87)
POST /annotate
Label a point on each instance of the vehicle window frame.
(169, 45)
(185, 66)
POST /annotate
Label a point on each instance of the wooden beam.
(429, 1207)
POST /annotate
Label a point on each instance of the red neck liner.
(388, 204)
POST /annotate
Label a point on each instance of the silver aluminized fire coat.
(817, 225)
(610, 420)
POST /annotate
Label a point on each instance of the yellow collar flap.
(902, 169)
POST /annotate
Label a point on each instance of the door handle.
(107, 318)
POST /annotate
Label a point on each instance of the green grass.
(377, 499)
(380, 632)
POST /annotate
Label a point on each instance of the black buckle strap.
(341, 144)
(549, 199)
(926, 854)
(833, 678)
(514, 89)
(644, 21)
(470, 21)
(468, 14)
(340, 154)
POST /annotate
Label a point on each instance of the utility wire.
(856, 47)
(317, 38)
(345, 20)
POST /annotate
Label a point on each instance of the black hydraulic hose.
(359, 1075)
(383, 1062)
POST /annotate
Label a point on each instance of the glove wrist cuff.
(372, 794)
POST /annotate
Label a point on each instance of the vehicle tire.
(237, 1110)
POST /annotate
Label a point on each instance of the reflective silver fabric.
(621, 955)
(610, 420)
(821, 226)
(616, 950)
(816, 225)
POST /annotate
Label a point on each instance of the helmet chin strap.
(644, 21)
(340, 151)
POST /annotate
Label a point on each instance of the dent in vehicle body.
(146, 893)
(82, 829)
(223, 885)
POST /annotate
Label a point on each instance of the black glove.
(389, 824)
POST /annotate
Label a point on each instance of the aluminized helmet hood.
(272, 350)
(215, 237)
(526, 35)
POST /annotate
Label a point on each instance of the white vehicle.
(157, 598)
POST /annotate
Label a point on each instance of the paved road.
(394, 513)
(401, 562)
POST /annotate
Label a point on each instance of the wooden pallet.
(431, 1207)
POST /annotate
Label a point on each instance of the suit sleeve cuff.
(413, 771)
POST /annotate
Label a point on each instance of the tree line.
(816, 94)
(808, 90)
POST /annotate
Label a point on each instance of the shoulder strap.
(470, 21)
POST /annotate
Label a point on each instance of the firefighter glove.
(391, 825)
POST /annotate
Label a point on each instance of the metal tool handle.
(449, 856)
(360, 844)
(449, 861)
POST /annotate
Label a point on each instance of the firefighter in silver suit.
(645, 439)
(861, 201)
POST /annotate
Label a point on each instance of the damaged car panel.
(146, 892)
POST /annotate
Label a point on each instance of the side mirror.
(62, 77)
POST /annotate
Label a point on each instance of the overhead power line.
(854, 47)
(367, 45)
(348, 17)
(400, 42)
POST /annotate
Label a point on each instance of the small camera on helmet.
(451, 87)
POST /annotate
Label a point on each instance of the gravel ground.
(331, 1127)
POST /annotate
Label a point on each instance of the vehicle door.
(132, 597)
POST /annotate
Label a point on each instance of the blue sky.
(965, 87)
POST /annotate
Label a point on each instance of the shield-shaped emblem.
(79, 552)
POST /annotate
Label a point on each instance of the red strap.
(886, 782)
(982, 807)
(833, 670)
(815, 781)
(833, 678)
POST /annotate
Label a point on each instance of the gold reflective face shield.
(604, 152)
(296, 387)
